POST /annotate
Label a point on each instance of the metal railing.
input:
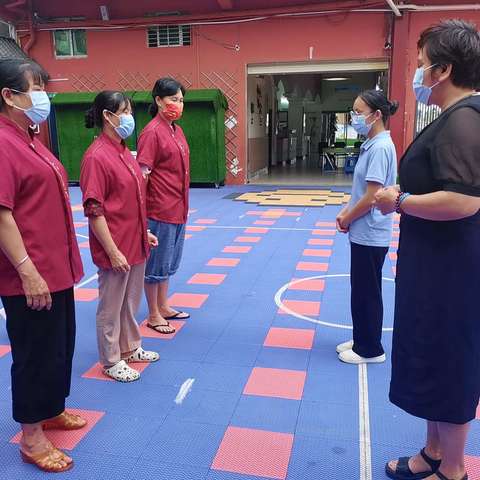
(424, 115)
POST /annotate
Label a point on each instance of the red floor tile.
(254, 452)
(478, 413)
(316, 252)
(80, 224)
(68, 440)
(314, 285)
(394, 244)
(301, 307)
(223, 262)
(4, 349)
(395, 234)
(274, 382)
(264, 222)
(326, 224)
(312, 266)
(254, 212)
(77, 208)
(189, 300)
(85, 294)
(321, 241)
(247, 239)
(292, 214)
(85, 244)
(290, 338)
(150, 333)
(325, 233)
(207, 278)
(472, 465)
(255, 230)
(206, 221)
(236, 249)
(96, 372)
(393, 256)
(188, 235)
(194, 228)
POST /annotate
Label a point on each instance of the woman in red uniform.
(163, 154)
(114, 201)
(39, 264)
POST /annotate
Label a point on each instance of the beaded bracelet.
(398, 202)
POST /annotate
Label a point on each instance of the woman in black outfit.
(435, 355)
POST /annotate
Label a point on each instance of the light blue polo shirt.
(377, 162)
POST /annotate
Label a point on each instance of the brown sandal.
(65, 421)
(48, 460)
(166, 329)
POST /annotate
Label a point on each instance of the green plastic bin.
(71, 138)
(203, 122)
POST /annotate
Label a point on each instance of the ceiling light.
(336, 79)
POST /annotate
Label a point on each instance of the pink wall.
(209, 62)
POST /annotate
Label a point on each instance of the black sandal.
(403, 472)
(162, 332)
(441, 476)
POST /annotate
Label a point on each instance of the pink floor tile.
(255, 230)
(96, 371)
(394, 244)
(85, 294)
(316, 252)
(472, 465)
(292, 214)
(264, 222)
(189, 300)
(290, 338)
(321, 241)
(274, 382)
(206, 221)
(254, 452)
(80, 224)
(207, 278)
(326, 224)
(236, 249)
(194, 228)
(301, 307)
(150, 333)
(223, 262)
(85, 244)
(68, 440)
(4, 349)
(313, 285)
(247, 239)
(188, 235)
(395, 234)
(312, 266)
(325, 233)
(393, 256)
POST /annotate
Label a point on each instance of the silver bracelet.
(21, 262)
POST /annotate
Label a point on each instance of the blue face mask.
(422, 92)
(360, 125)
(126, 127)
(40, 109)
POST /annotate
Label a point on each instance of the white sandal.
(121, 372)
(141, 355)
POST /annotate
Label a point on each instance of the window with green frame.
(70, 43)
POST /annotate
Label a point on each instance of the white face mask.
(422, 92)
(40, 109)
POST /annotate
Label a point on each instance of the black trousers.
(42, 345)
(366, 299)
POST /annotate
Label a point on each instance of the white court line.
(2, 313)
(364, 424)
(184, 390)
(85, 282)
(280, 304)
(81, 236)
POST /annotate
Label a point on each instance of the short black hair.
(377, 100)
(164, 87)
(110, 100)
(456, 43)
(13, 74)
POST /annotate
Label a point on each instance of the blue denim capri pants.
(165, 259)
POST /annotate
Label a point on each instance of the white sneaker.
(349, 356)
(345, 346)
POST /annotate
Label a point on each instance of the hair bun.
(393, 107)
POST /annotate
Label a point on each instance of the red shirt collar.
(120, 147)
(6, 122)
